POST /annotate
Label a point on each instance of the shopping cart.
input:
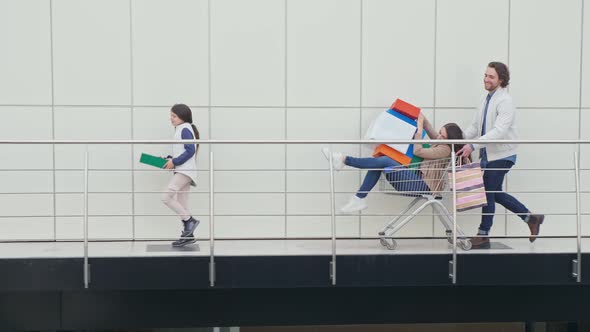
(429, 185)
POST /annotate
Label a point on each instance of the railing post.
(333, 219)
(577, 264)
(86, 266)
(211, 224)
(453, 263)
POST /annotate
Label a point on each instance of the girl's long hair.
(455, 132)
(185, 114)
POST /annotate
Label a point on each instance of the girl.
(184, 164)
(402, 178)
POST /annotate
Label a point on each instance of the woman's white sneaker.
(354, 205)
(337, 160)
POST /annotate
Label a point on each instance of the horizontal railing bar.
(397, 193)
(247, 170)
(282, 215)
(205, 239)
(167, 106)
(404, 141)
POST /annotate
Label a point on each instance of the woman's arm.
(422, 124)
(430, 131)
(436, 152)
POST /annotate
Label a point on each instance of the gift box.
(406, 109)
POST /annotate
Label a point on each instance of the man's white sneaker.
(337, 160)
(354, 205)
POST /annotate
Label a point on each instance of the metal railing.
(576, 264)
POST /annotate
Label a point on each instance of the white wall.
(271, 69)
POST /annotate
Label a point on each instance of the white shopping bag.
(390, 125)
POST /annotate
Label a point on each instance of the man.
(494, 120)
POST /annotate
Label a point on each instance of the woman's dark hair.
(185, 114)
(503, 72)
(454, 132)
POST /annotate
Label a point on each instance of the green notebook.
(152, 160)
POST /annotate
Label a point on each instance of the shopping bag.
(391, 125)
(385, 150)
(469, 186)
(406, 109)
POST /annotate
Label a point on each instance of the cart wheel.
(449, 237)
(388, 243)
(391, 244)
(466, 244)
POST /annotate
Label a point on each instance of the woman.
(401, 177)
(184, 164)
